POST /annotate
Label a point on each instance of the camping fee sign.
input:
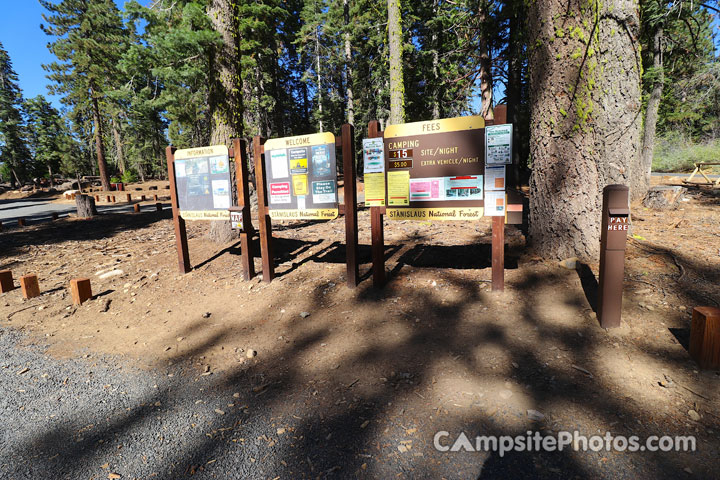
(435, 169)
(301, 177)
(202, 176)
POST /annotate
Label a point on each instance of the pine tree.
(90, 41)
(47, 136)
(14, 154)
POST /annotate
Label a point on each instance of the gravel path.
(89, 418)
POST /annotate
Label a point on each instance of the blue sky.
(26, 44)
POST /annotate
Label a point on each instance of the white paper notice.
(279, 163)
(373, 155)
(221, 193)
(494, 204)
(301, 202)
(498, 144)
(495, 178)
(180, 169)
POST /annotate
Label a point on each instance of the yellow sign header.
(430, 214)
(201, 152)
(442, 125)
(205, 215)
(300, 141)
(307, 214)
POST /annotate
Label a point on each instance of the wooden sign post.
(377, 229)
(178, 222)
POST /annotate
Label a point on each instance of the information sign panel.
(203, 181)
(301, 177)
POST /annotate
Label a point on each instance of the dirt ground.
(434, 350)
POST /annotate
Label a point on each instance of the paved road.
(37, 210)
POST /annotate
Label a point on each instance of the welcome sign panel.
(301, 177)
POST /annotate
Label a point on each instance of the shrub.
(129, 176)
(675, 153)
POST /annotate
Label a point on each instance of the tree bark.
(85, 206)
(226, 108)
(514, 89)
(585, 117)
(118, 147)
(350, 108)
(397, 86)
(642, 170)
(99, 147)
(486, 81)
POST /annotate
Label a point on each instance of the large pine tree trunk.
(486, 82)
(642, 170)
(118, 146)
(514, 88)
(350, 108)
(397, 87)
(226, 107)
(99, 147)
(585, 117)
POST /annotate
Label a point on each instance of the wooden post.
(377, 231)
(247, 232)
(80, 290)
(350, 195)
(705, 337)
(55, 215)
(158, 207)
(136, 208)
(178, 222)
(97, 198)
(107, 198)
(128, 197)
(142, 198)
(21, 221)
(30, 286)
(266, 244)
(498, 254)
(6, 281)
(155, 197)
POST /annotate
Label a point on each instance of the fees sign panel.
(435, 169)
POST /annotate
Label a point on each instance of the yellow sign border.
(300, 141)
(443, 213)
(428, 127)
(210, 151)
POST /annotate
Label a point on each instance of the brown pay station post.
(613, 238)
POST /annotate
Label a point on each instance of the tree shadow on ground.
(63, 230)
(344, 421)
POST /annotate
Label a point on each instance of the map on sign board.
(203, 183)
(374, 172)
(301, 177)
(435, 169)
(498, 140)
